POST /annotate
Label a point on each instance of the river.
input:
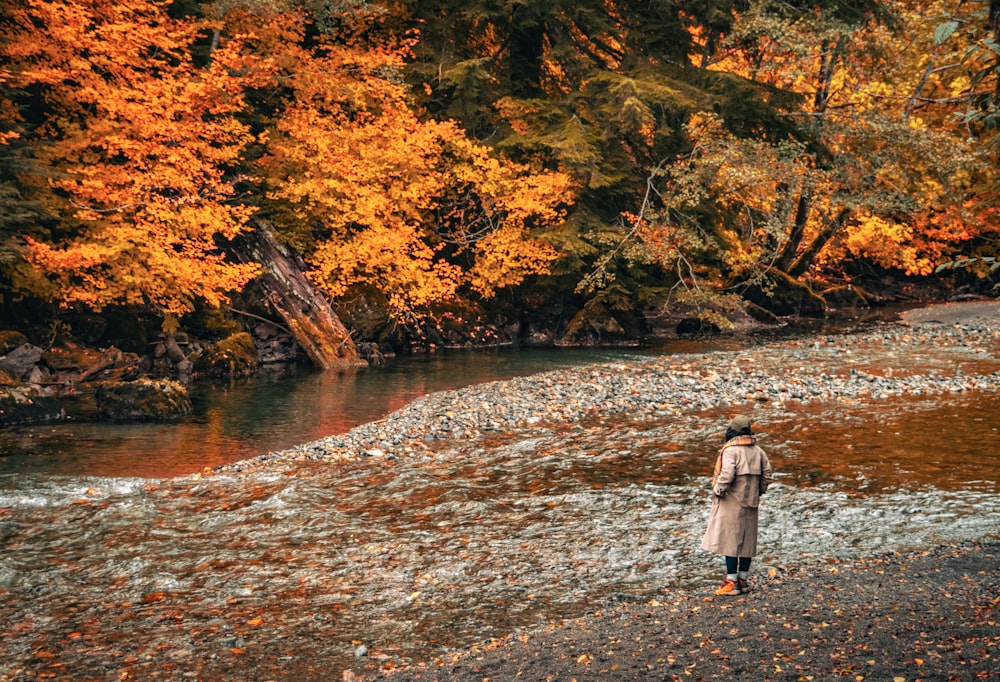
(313, 570)
(243, 418)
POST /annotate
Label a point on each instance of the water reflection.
(242, 419)
(269, 573)
(909, 445)
(237, 420)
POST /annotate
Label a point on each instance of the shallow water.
(414, 556)
(242, 419)
(285, 570)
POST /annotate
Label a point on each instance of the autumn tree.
(382, 202)
(959, 79)
(156, 138)
(134, 152)
(855, 179)
(599, 91)
(16, 207)
(423, 156)
(718, 144)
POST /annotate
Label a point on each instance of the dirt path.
(925, 616)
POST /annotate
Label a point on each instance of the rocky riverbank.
(945, 349)
(71, 380)
(477, 518)
(924, 615)
(927, 615)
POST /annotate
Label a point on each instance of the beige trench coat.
(743, 473)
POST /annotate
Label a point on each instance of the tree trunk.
(303, 307)
(526, 49)
(805, 258)
(798, 231)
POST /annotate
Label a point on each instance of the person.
(742, 474)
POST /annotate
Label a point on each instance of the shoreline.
(929, 614)
(676, 631)
(940, 349)
(922, 614)
(473, 513)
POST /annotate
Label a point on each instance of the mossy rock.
(211, 323)
(233, 356)
(144, 400)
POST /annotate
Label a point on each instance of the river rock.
(20, 361)
(71, 359)
(9, 340)
(74, 364)
(233, 356)
(274, 345)
(144, 400)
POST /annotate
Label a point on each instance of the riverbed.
(471, 514)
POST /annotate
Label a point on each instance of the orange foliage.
(916, 247)
(408, 206)
(145, 149)
(906, 184)
(142, 143)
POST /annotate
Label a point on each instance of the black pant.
(731, 564)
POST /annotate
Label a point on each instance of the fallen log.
(301, 305)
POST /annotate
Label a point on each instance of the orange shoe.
(728, 589)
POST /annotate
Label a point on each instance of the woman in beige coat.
(742, 474)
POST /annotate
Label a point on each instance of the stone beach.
(472, 519)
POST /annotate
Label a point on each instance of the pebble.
(893, 360)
